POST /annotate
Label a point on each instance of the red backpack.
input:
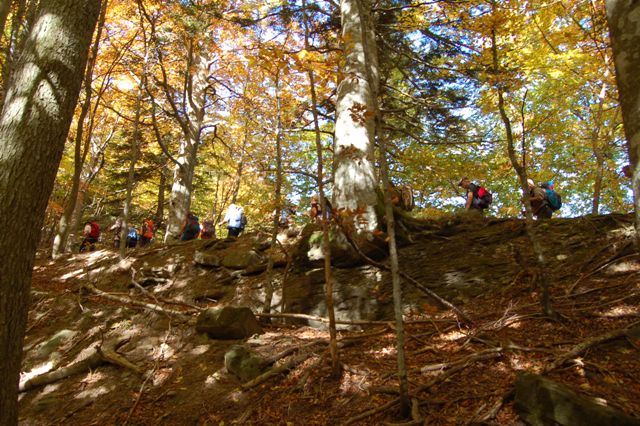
(95, 229)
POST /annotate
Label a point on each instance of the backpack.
(193, 226)
(147, 229)
(553, 198)
(485, 197)
(95, 230)
(133, 234)
(243, 220)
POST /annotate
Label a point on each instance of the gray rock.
(541, 401)
(228, 322)
(241, 259)
(243, 363)
(206, 259)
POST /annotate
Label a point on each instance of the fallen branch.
(583, 346)
(103, 353)
(149, 306)
(290, 364)
(322, 319)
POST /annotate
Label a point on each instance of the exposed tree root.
(103, 353)
(127, 300)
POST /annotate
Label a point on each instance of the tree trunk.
(80, 154)
(268, 297)
(355, 180)
(36, 116)
(326, 244)
(133, 158)
(159, 216)
(180, 201)
(624, 30)
(191, 124)
(522, 175)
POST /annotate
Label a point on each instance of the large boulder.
(308, 252)
(541, 401)
(243, 363)
(228, 322)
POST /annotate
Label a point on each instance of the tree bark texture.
(192, 124)
(81, 146)
(624, 29)
(355, 180)
(36, 116)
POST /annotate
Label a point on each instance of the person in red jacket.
(146, 232)
(91, 235)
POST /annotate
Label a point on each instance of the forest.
(143, 114)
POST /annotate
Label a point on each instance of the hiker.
(316, 214)
(208, 230)
(478, 198)
(117, 229)
(91, 233)
(191, 228)
(539, 204)
(132, 236)
(146, 232)
(235, 220)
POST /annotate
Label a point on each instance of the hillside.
(145, 307)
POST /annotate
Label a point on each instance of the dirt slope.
(459, 374)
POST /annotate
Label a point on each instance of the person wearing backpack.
(91, 233)
(235, 220)
(146, 232)
(191, 228)
(478, 197)
(539, 201)
(208, 230)
(132, 236)
(116, 228)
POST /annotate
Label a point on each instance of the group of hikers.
(543, 198)
(235, 219)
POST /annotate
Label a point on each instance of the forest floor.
(458, 373)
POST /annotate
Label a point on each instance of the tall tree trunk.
(268, 296)
(181, 189)
(355, 180)
(326, 244)
(191, 124)
(405, 404)
(81, 144)
(522, 175)
(135, 143)
(624, 30)
(159, 216)
(35, 119)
